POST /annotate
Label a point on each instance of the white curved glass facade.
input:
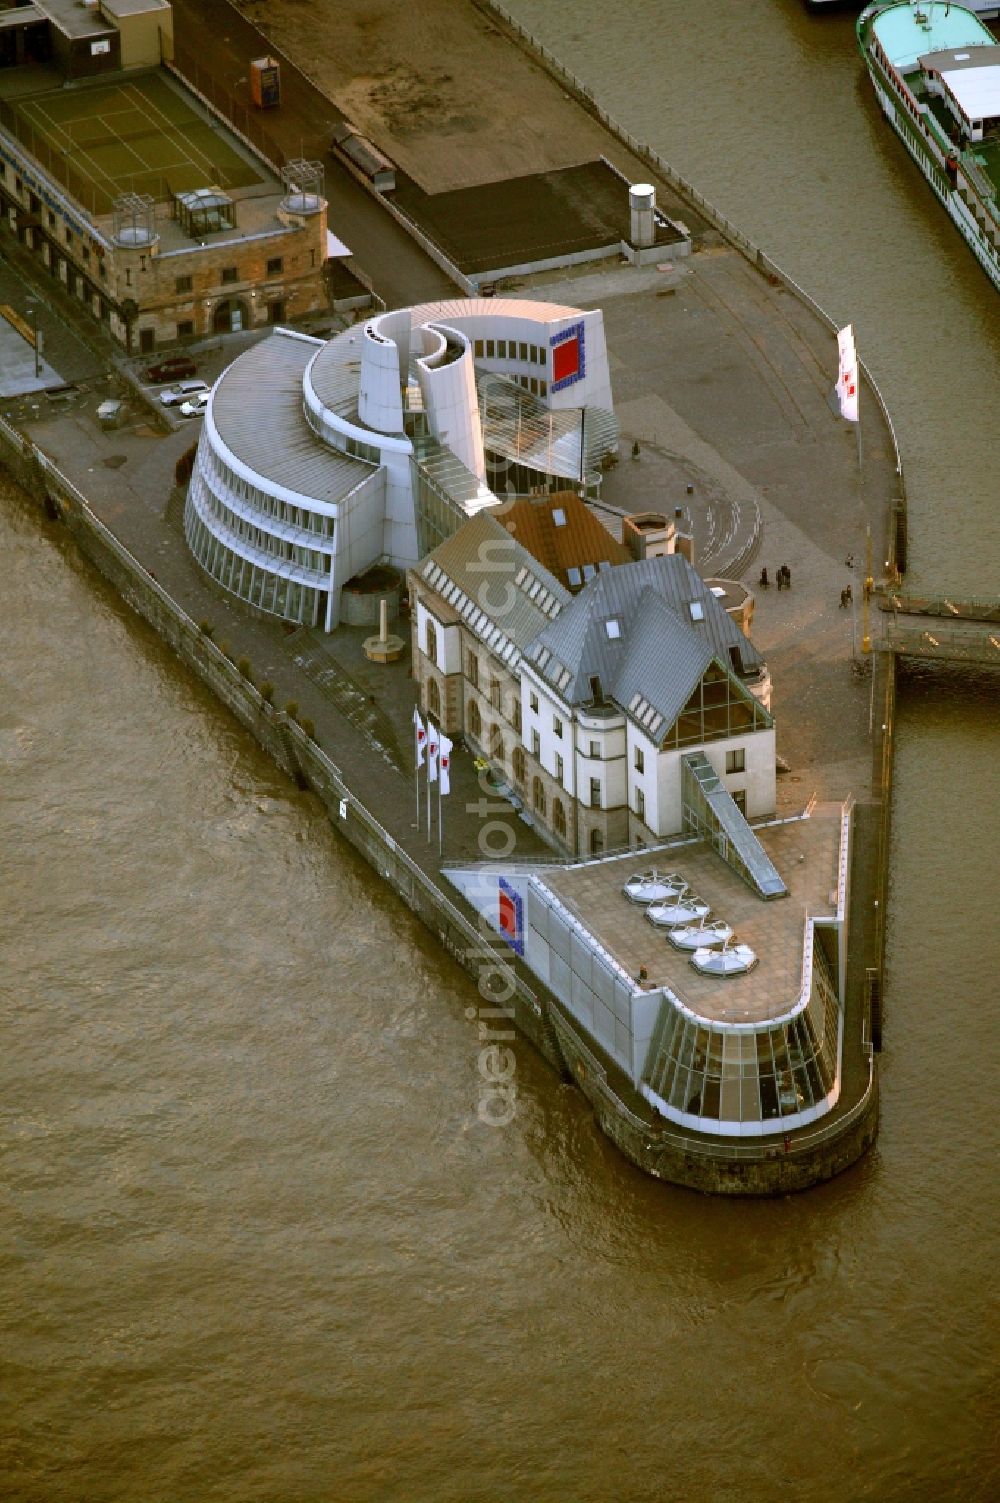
(261, 568)
(752, 1079)
(259, 546)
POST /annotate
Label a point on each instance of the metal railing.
(943, 646)
(975, 609)
(223, 103)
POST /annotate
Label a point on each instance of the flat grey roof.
(24, 15)
(541, 216)
(75, 20)
(133, 7)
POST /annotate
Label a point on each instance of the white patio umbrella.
(700, 936)
(680, 908)
(731, 960)
(651, 886)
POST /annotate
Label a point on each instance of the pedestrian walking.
(786, 574)
(780, 578)
(849, 560)
(764, 581)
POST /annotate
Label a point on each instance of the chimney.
(648, 534)
(683, 537)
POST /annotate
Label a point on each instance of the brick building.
(162, 223)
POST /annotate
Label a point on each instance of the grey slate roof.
(655, 640)
(660, 651)
(257, 411)
(495, 584)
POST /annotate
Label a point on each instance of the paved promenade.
(752, 431)
(721, 377)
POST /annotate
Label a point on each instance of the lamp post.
(33, 315)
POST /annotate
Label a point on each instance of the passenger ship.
(936, 72)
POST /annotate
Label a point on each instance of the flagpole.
(858, 425)
(428, 780)
(445, 749)
(416, 768)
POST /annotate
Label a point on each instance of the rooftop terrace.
(806, 852)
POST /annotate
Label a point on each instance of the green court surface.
(135, 137)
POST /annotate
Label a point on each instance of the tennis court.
(134, 137)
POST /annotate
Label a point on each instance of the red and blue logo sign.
(510, 914)
(569, 358)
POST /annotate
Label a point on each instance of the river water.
(256, 1244)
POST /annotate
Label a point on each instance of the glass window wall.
(768, 1075)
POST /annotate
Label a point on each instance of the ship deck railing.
(980, 167)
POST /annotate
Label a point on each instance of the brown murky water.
(256, 1244)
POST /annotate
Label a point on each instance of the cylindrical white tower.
(642, 207)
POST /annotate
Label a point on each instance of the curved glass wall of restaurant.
(748, 1080)
(273, 555)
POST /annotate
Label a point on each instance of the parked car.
(184, 391)
(174, 368)
(196, 406)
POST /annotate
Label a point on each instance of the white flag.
(445, 763)
(847, 375)
(421, 736)
(432, 751)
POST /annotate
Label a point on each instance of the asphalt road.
(302, 126)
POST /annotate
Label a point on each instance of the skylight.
(697, 610)
(558, 516)
(613, 627)
(573, 575)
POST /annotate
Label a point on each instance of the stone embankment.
(719, 1168)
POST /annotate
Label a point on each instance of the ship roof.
(972, 77)
(905, 39)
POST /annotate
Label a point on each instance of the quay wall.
(281, 737)
(715, 1167)
(779, 1166)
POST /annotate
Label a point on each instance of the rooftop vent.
(642, 214)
